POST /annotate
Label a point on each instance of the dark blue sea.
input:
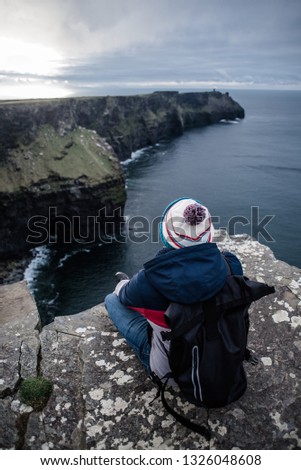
(247, 172)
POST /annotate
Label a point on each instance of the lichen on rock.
(100, 390)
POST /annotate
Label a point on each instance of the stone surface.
(102, 395)
(19, 336)
(19, 352)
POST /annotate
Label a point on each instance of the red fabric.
(156, 316)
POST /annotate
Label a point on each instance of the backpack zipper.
(197, 389)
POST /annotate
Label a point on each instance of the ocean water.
(247, 172)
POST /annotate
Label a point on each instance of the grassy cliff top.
(78, 154)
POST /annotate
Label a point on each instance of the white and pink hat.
(186, 222)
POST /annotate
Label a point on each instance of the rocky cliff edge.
(100, 391)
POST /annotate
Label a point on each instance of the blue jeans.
(133, 327)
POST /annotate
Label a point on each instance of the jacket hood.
(188, 275)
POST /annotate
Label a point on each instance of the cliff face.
(128, 123)
(62, 155)
(53, 188)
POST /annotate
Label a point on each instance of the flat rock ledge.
(102, 396)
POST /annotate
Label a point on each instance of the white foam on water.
(229, 121)
(62, 260)
(41, 257)
(136, 155)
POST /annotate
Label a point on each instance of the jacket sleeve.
(234, 262)
(138, 292)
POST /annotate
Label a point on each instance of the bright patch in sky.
(28, 58)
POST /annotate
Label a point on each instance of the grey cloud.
(113, 41)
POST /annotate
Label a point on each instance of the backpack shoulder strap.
(229, 269)
(198, 428)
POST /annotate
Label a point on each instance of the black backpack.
(208, 344)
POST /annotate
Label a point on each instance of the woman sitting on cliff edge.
(189, 269)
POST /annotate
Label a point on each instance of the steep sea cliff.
(62, 158)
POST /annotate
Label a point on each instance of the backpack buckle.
(165, 335)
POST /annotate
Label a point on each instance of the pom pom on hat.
(194, 214)
(186, 222)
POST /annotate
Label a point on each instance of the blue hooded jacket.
(186, 276)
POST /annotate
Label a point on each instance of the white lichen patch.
(118, 342)
(281, 316)
(285, 304)
(105, 364)
(157, 442)
(107, 425)
(124, 357)
(288, 307)
(94, 430)
(294, 435)
(213, 425)
(238, 413)
(276, 418)
(88, 340)
(222, 430)
(166, 423)
(295, 287)
(296, 321)
(267, 361)
(123, 445)
(120, 377)
(18, 407)
(151, 419)
(80, 330)
(142, 444)
(1, 381)
(137, 412)
(111, 408)
(96, 394)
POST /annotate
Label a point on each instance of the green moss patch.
(36, 392)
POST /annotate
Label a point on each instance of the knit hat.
(186, 222)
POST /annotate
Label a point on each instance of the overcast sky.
(54, 48)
